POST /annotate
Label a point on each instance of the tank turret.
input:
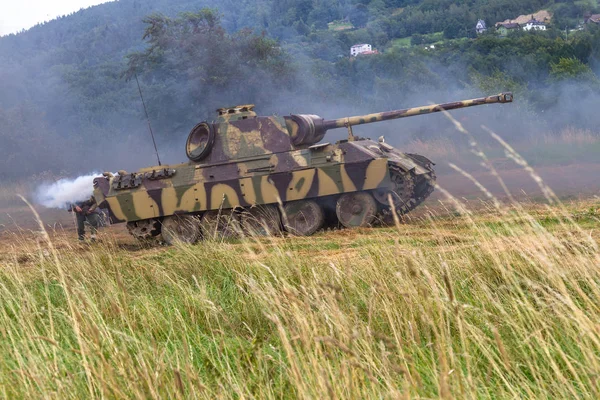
(269, 173)
(245, 134)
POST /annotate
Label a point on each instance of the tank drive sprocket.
(401, 190)
(408, 191)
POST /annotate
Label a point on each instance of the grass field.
(463, 299)
(339, 26)
(496, 302)
(402, 42)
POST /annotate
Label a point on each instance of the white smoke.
(64, 191)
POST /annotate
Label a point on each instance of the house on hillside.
(505, 27)
(592, 19)
(543, 15)
(480, 27)
(534, 24)
(537, 22)
(365, 49)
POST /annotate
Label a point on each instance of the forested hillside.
(69, 101)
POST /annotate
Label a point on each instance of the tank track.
(419, 186)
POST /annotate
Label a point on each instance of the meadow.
(488, 303)
(466, 298)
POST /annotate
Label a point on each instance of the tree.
(359, 15)
(572, 69)
(192, 65)
(452, 29)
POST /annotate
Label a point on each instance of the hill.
(67, 103)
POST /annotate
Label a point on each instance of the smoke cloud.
(75, 132)
(64, 191)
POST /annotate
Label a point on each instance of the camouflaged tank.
(254, 174)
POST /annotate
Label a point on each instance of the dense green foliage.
(193, 61)
(71, 74)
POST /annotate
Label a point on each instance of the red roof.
(368, 52)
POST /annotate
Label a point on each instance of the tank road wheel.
(303, 217)
(219, 224)
(261, 220)
(181, 228)
(356, 209)
(145, 229)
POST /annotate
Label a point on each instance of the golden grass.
(492, 301)
(9, 191)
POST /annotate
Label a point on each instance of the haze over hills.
(16, 17)
(67, 104)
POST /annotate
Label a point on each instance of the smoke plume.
(60, 193)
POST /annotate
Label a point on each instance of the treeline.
(69, 99)
(192, 66)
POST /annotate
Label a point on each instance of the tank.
(250, 174)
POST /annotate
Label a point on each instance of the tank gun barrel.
(506, 97)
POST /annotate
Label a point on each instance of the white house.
(360, 48)
(480, 27)
(534, 24)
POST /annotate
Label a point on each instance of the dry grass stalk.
(500, 302)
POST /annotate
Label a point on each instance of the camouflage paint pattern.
(264, 160)
(276, 178)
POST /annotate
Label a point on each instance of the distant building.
(480, 27)
(505, 27)
(368, 53)
(543, 15)
(592, 19)
(361, 49)
(534, 24)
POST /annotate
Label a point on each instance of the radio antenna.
(148, 119)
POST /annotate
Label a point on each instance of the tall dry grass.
(498, 303)
(568, 146)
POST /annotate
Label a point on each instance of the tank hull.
(264, 173)
(321, 171)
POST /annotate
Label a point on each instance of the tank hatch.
(236, 113)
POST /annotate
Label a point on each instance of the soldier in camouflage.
(86, 211)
